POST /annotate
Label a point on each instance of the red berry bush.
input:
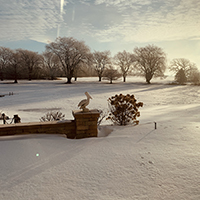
(123, 109)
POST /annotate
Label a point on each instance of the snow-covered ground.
(128, 162)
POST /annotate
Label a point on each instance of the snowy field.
(128, 162)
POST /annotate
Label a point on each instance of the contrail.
(61, 6)
(73, 14)
(58, 30)
(61, 13)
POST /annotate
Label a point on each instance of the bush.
(52, 116)
(111, 74)
(123, 109)
(101, 116)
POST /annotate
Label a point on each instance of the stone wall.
(66, 127)
(84, 125)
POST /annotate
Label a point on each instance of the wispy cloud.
(102, 20)
(27, 19)
(157, 20)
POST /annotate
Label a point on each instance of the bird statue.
(85, 102)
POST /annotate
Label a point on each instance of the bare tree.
(51, 64)
(195, 76)
(30, 60)
(188, 67)
(14, 68)
(111, 74)
(100, 60)
(124, 60)
(82, 70)
(150, 61)
(70, 53)
(5, 55)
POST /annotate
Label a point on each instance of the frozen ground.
(131, 162)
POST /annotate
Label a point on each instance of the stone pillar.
(86, 123)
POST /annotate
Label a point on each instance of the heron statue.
(85, 102)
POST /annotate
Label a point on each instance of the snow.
(124, 162)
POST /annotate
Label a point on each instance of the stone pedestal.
(86, 123)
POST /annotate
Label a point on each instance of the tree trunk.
(69, 80)
(124, 78)
(148, 81)
(149, 76)
(99, 78)
(1, 75)
(30, 75)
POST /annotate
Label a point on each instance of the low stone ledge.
(84, 126)
(53, 127)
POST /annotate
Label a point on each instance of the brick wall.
(84, 125)
(66, 127)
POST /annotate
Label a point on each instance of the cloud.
(102, 20)
(27, 19)
(123, 3)
(153, 20)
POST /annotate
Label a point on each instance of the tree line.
(69, 57)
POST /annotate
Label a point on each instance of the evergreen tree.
(180, 77)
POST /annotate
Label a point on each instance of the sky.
(115, 25)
